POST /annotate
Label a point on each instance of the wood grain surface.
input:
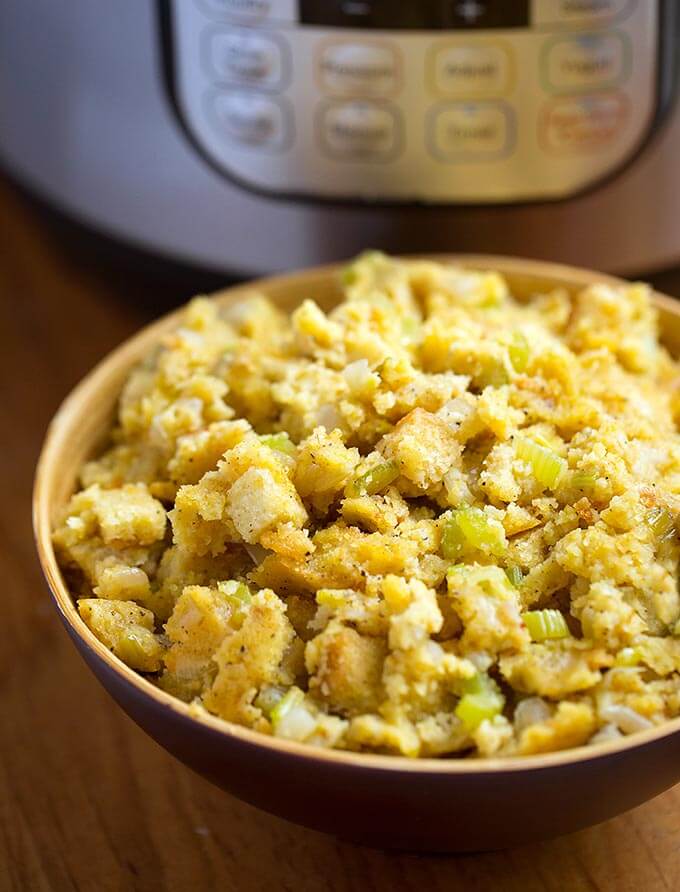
(87, 801)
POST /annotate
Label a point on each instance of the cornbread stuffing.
(433, 521)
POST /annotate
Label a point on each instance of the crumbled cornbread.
(435, 520)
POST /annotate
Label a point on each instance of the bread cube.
(249, 494)
(250, 657)
(324, 465)
(126, 629)
(424, 448)
(346, 669)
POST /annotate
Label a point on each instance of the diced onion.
(605, 734)
(530, 711)
(625, 718)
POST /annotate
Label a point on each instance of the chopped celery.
(238, 596)
(268, 698)
(519, 352)
(628, 656)
(453, 538)
(138, 647)
(292, 698)
(279, 442)
(514, 575)
(351, 274)
(481, 530)
(546, 465)
(374, 480)
(481, 700)
(582, 481)
(661, 523)
(478, 684)
(410, 329)
(545, 625)
(474, 526)
(291, 718)
(494, 374)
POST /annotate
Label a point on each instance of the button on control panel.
(470, 131)
(359, 129)
(583, 123)
(358, 68)
(586, 62)
(437, 102)
(463, 71)
(244, 56)
(251, 120)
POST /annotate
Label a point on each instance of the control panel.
(431, 101)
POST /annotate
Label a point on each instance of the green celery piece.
(471, 525)
(453, 538)
(519, 352)
(292, 698)
(374, 480)
(280, 442)
(546, 625)
(481, 700)
(661, 523)
(546, 465)
(238, 596)
(494, 375)
(515, 575)
(268, 698)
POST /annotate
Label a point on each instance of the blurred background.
(152, 150)
(242, 137)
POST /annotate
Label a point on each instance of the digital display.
(416, 15)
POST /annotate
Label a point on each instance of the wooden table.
(87, 801)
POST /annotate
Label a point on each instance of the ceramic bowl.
(435, 805)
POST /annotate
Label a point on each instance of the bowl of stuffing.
(387, 549)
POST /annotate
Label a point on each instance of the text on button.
(251, 119)
(586, 62)
(367, 69)
(461, 71)
(470, 131)
(241, 56)
(583, 123)
(359, 130)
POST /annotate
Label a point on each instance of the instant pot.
(247, 136)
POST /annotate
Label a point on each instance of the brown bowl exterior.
(391, 802)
